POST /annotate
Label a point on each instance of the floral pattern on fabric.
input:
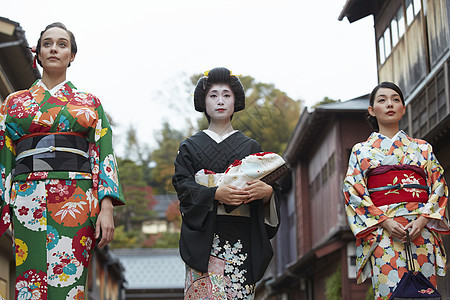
(389, 261)
(72, 212)
(54, 213)
(83, 243)
(31, 286)
(225, 278)
(76, 293)
(64, 268)
(21, 250)
(30, 206)
(53, 237)
(364, 217)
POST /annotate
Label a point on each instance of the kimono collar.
(401, 135)
(216, 137)
(53, 90)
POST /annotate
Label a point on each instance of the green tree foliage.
(162, 240)
(138, 196)
(325, 100)
(168, 240)
(370, 294)
(270, 115)
(333, 285)
(163, 158)
(122, 239)
(140, 172)
(138, 153)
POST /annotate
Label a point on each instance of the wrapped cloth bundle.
(266, 166)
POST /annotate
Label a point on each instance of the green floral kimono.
(53, 213)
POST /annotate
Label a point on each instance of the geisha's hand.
(395, 229)
(230, 195)
(416, 227)
(258, 189)
(105, 223)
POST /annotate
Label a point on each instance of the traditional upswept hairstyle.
(219, 76)
(387, 85)
(73, 43)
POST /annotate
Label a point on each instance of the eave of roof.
(355, 10)
(311, 123)
(16, 59)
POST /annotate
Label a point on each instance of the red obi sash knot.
(398, 183)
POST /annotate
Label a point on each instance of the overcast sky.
(135, 55)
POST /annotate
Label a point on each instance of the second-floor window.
(325, 173)
(412, 10)
(384, 45)
(397, 27)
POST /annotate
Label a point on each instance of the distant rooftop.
(310, 124)
(147, 269)
(163, 202)
(355, 104)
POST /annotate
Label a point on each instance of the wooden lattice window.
(428, 108)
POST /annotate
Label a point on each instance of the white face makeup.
(219, 102)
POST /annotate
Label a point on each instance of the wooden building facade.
(412, 39)
(106, 275)
(314, 242)
(16, 59)
(16, 73)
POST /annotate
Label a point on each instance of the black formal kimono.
(201, 226)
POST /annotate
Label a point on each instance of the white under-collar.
(53, 90)
(216, 137)
(394, 138)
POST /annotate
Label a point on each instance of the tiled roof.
(163, 202)
(152, 268)
(355, 10)
(312, 123)
(16, 59)
(356, 104)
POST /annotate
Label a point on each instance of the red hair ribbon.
(33, 49)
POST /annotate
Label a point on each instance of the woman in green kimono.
(59, 176)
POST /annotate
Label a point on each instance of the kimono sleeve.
(272, 207)
(362, 215)
(196, 201)
(104, 165)
(7, 163)
(435, 208)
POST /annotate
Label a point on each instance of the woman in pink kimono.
(59, 176)
(395, 184)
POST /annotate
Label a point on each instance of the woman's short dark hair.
(387, 85)
(73, 43)
(218, 76)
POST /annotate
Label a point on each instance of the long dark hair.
(73, 43)
(388, 85)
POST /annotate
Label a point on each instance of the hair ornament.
(219, 76)
(231, 74)
(33, 49)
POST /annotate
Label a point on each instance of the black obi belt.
(52, 152)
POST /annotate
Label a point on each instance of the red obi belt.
(397, 183)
